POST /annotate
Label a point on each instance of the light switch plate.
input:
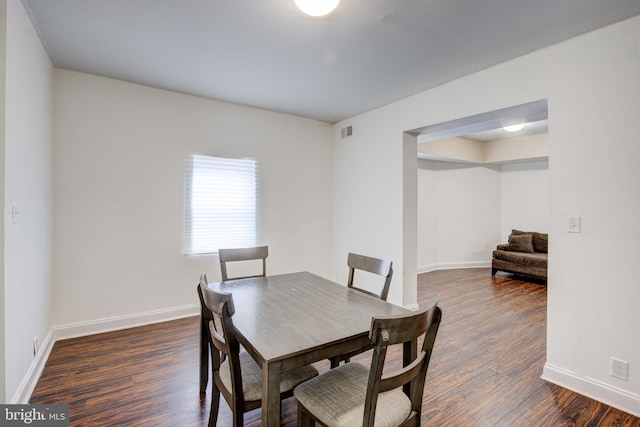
(573, 224)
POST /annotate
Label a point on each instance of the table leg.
(271, 394)
(409, 353)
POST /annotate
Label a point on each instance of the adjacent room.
(478, 179)
(376, 129)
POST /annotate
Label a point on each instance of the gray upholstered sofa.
(526, 254)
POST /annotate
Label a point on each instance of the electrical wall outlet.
(619, 369)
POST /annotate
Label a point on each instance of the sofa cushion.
(521, 243)
(541, 242)
(524, 258)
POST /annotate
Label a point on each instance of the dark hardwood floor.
(485, 370)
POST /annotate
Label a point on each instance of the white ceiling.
(265, 53)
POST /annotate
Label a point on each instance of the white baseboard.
(597, 390)
(28, 383)
(123, 322)
(427, 268)
(453, 265)
(23, 394)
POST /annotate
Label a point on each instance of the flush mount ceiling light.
(317, 7)
(514, 128)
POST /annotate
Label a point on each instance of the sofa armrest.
(503, 247)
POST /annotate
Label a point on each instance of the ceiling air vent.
(348, 131)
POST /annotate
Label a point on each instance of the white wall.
(592, 84)
(27, 174)
(410, 220)
(594, 173)
(368, 197)
(525, 197)
(459, 214)
(427, 227)
(468, 212)
(120, 150)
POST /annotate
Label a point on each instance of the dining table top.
(283, 315)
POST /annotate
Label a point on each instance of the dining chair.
(235, 374)
(371, 265)
(354, 395)
(206, 316)
(375, 266)
(242, 254)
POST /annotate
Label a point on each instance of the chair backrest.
(401, 329)
(223, 336)
(372, 265)
(243, 254)
(204, 310)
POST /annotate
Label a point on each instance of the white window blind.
(221, 204)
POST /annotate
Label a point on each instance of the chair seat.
(252, 377)
(337, 398)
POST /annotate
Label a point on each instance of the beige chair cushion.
(337, 398)
(252, 377)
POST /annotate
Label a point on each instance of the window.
(221, 204)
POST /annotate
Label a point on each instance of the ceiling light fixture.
(317, 7)
(514, 128)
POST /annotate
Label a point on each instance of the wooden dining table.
(291, 320)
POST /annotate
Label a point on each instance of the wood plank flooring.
(485, 370)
